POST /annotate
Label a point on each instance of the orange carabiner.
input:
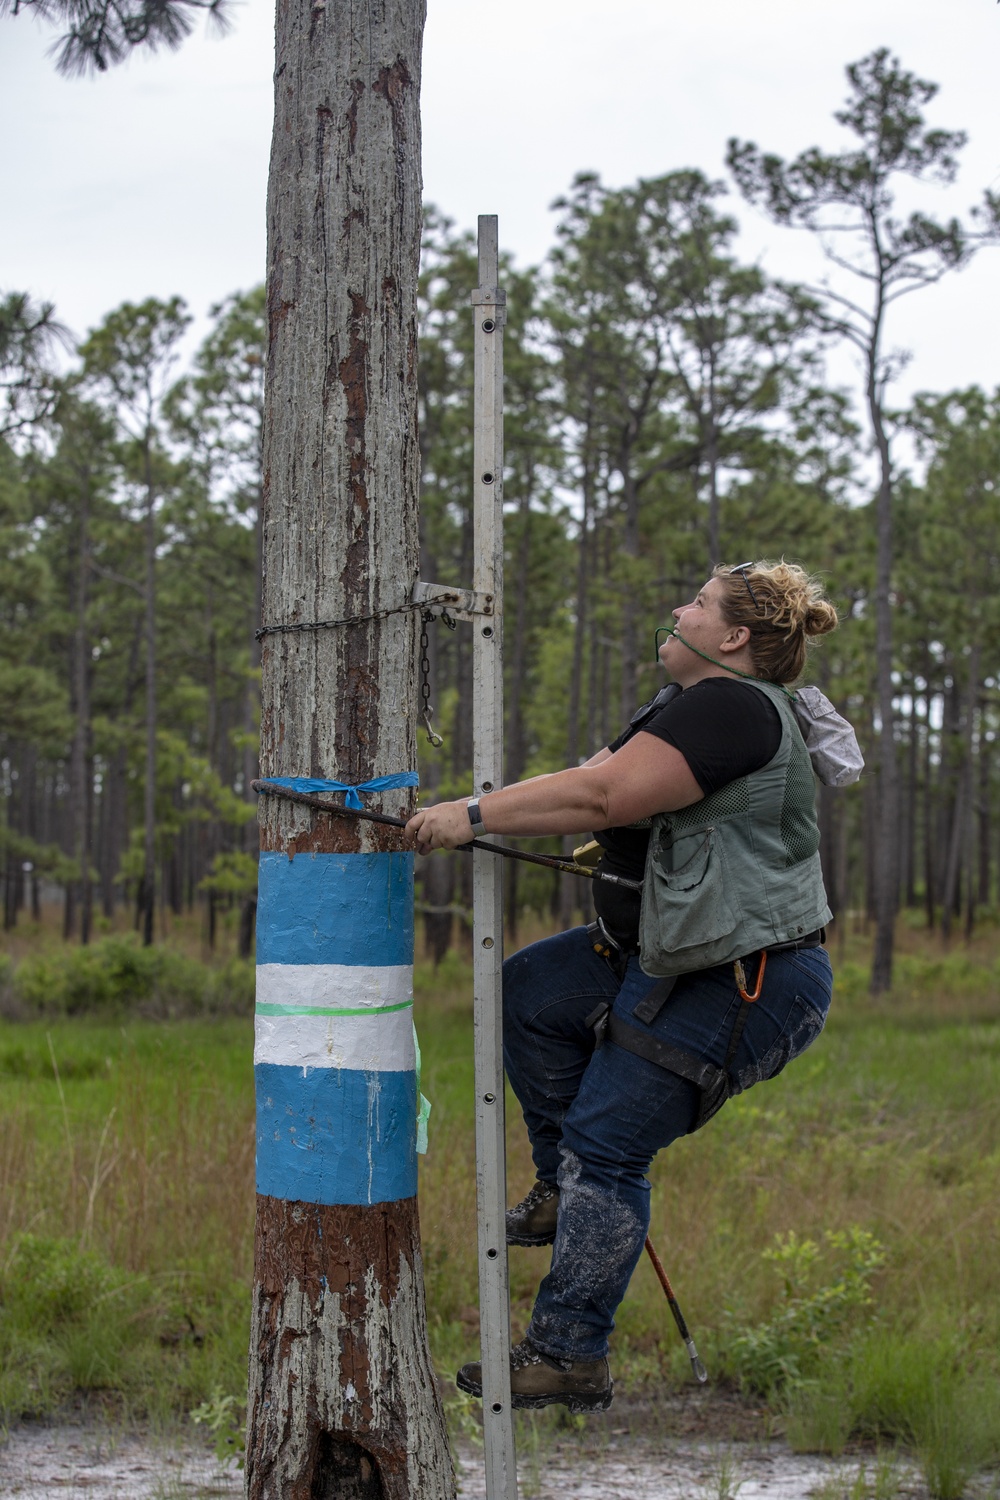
(741, 978)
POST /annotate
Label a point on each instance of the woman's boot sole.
(531, 1240)
(598, 1402)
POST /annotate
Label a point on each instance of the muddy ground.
(698, 1446)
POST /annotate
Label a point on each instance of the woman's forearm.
(572, 801)
(643, 777)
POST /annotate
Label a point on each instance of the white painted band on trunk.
(377, 1043)
(284, 989)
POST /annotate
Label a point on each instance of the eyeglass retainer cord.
(736, 671)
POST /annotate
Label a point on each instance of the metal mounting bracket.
(461, 604)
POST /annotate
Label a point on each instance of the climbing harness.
(714, 1083)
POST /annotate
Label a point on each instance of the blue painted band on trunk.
(335, 909)
(335, 1136)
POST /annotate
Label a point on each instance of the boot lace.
(540, 1193)
(524, 1354)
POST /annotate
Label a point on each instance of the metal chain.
(297, 626)
(427, 711)
(426, 616)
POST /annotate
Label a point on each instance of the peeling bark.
(344, 1396)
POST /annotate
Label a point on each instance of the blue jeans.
(597, 1119)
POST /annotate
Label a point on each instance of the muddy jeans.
(597, 1119)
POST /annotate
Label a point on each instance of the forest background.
(667, 408)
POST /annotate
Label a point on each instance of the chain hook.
(427, 712)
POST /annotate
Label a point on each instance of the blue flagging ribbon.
(352, 799)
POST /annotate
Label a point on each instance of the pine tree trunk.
(909, 880)
(886, 861)
(630, 610)
(515, 745)
(961, 826)
(343, 1401)
(251, 759)
(115, 785)
(568, 894)
(929, 901)
(149, 787)
(712, 455)
(983, 814)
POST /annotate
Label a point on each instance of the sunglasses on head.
(741, 569)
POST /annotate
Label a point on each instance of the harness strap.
(713, 1083)
(685, 1064)
(650, 1005)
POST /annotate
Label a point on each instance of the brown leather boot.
(536, 1379)
(533, 1220)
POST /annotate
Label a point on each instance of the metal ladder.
(483, 606)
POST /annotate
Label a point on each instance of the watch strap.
(478, 826)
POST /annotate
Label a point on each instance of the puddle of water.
(685, 1471)
(78, 1463)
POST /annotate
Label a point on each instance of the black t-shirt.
(724, 729)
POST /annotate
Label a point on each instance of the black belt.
(811, 940)
(650, 1006)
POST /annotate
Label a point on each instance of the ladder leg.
(487, 933)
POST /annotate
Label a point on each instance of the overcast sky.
(150, 179)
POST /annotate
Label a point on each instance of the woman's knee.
(615, 1147)
(548, 978)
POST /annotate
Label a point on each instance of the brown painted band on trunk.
(328, 1247)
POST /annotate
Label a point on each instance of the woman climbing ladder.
(617, 1042)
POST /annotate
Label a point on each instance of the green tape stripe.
(324, 1010)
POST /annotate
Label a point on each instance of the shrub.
(117, 974)
(67, 1320)
(72, 1322)
(813, 1313)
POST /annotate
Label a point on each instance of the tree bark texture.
(335, 1418)
(342, 1399)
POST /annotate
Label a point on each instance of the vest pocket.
(686, 896)
(683, 864)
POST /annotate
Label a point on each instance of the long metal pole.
(487, 924)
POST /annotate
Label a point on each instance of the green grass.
(832, 1236)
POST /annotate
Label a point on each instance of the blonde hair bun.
(821, 618)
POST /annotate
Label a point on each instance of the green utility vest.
(738, 871)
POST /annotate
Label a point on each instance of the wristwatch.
(478, 826)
